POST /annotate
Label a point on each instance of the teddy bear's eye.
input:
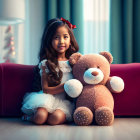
(98, 67)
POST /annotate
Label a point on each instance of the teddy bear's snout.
(94, 73)
(93, 76)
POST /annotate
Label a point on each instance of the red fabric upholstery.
(127, 103)
(16, 80)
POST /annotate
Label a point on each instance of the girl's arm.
(46, 89)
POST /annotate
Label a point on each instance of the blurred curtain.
(125, 30)
(96, 26)
(71, 10)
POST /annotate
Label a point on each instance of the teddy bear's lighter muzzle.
(93, 76)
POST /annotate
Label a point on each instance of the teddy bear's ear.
(108, 56)
(74, 58)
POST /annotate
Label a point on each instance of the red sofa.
(16, 80)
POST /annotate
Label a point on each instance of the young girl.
(50, 104)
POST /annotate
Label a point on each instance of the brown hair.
(47, 52)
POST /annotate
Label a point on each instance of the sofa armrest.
(15, 81)
(127, 103)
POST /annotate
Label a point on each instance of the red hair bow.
(68, 23)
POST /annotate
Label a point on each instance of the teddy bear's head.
(91, 68)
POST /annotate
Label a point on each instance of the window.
(96, 26)
(27, 36)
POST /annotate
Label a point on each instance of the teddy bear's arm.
(115, 84)
(73, 88)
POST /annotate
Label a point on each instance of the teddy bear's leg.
(104, 116)
(83, 116)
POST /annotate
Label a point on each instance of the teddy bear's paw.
(73, 88)
(117, 84)
(104, 116)
(83, 116)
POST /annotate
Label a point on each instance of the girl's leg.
(40, 116)
(57, 117)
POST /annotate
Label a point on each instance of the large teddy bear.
(93, 86)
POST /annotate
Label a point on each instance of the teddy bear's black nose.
(94, 73)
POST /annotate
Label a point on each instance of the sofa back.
(16, 80)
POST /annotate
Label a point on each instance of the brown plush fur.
(88, 61)
(96, 98)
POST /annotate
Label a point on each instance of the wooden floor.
(122, 129)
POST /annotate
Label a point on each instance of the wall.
(34, 26)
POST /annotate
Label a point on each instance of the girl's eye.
(65, 36)
(56, 37)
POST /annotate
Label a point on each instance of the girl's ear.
(108, 56)
(74, 58)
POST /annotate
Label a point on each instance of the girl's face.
(61, 40)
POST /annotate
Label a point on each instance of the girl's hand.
(52, 90)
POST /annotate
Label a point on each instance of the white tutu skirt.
(34, 100)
